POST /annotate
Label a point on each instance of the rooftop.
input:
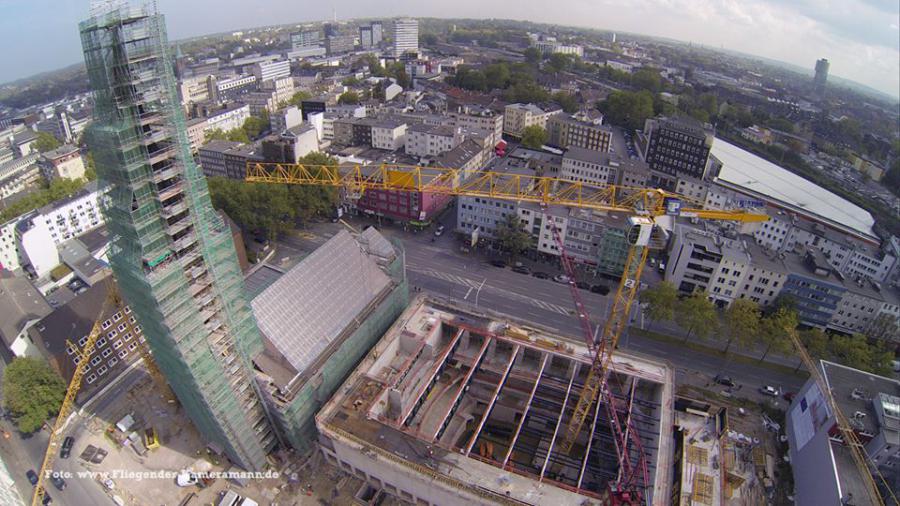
(752, 174)
(20, 303)
(84, 192)
(855, 391)
(460, 155)
(442, 130)
(475, 395)
(346, 280)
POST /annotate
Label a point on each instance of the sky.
(860, 38)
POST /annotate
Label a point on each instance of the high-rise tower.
(406, 36)
(172, 255)
(821, 74)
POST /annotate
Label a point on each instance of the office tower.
(172, 255)
(377, 33)
(365, 37)
(821, 74)
(677, 148)
(406, 36)
(304, 39)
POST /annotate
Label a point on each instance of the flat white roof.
(743, 169)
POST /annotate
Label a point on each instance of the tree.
(534, 136)
(628, 109)
(816, 343)
(774, 329)
(254, 126)
(696, 314)
(884, 327)
(235, 135)
(298, 98)
(566, 100)
(33, 392)
(647, 79)
(558, 62)
(526, 91)
(660, 302)
(741, 322)
(349, 97)
(532, 55)
(428, 39)
(512, 236)
(46, 142)
(350, 81)
(497, 76)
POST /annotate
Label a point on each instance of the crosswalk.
(474, 284)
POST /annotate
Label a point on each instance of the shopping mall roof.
(750, 173)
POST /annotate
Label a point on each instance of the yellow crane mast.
(644, 205)
(112, 302)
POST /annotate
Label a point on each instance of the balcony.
(162, 155)
(178, 226)
(164, 174)
(183, 242)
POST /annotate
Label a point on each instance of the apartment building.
(565, 131)
(516, 117)
(19, 174)
(63, 162)
(431, 141)
(282, 86)
(229, 118)
(677, 147)
(266, 70)
(229, 159)
(479, 118)
(389, 135)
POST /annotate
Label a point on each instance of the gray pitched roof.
(309, 306)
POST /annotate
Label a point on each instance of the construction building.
(824, 470)
(319, 319)
(461, 406)
(172, 255)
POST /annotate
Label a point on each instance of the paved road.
(21, 454)
(440, 268)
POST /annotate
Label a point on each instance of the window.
(101, 342)
(70, 350)
(112, 334)
(82, 341)
(117, 344)
(121, 327)
(91, 378)
(127, 337)
(101, 370)
(95, 361)
(106, 324)
(132, 346)
(117, 316)
(112, 362)
(107, 352)
(123, 354)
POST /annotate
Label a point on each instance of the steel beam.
(490, 406)
(425, 386)
(537, 382)
(457, 398)
(562, 413)
(590, 443)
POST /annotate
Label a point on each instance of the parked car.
(32, 476)
(562, 278)
(601, 289)
(99, 456)
(186, 479)
(540, 275)
(66, 448)
(583, 285)
(725, 380)
(498, 263)
(769, 390)
(521, 269)
(58, 482)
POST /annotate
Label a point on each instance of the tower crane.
(643, 205)
(112, 302)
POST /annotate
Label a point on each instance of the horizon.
(876, 65)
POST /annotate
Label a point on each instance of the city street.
(22, 454)
(440, 268)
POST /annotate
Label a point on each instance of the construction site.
(455, 406)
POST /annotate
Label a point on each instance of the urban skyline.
(860, 38)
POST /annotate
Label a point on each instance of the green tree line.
(745, 325)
